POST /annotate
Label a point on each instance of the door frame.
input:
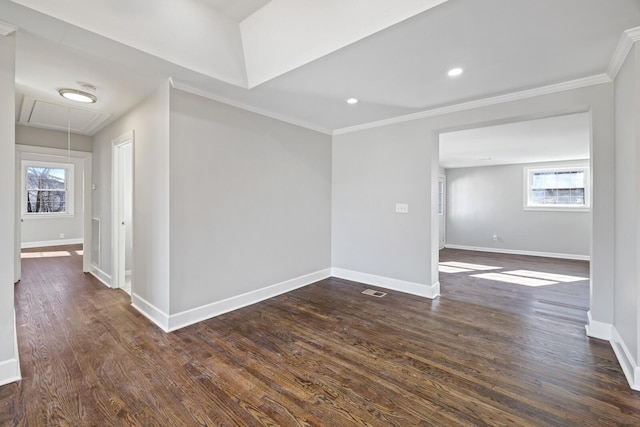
(442, 221)
(117, 213)
(56, 155)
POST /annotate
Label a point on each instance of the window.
(565, 188)
(48, 189)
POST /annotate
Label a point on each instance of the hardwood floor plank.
(485, 353)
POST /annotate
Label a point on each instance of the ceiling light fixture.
(352, 101)
(455, 72)
(78, 95)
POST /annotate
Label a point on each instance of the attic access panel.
(49, 115)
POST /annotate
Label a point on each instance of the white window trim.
(529, 171)
(69, 182)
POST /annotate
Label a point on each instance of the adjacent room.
(258, 213)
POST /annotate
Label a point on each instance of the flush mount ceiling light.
(78, 95)
(455, 72)
(352, 101)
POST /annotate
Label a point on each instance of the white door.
(123, 212)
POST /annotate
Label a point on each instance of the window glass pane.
(557, 187)
(46, 190)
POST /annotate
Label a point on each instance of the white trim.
(101, 276)
(151, 312)
(627, 362)
(519, 252)
(10, 369)
(597, 329)
(47, 243)
(419, 289)
(198, 314)
(176, 84)
(6, 29)
(627, 39)
(515, 96)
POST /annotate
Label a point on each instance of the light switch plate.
(402, 208)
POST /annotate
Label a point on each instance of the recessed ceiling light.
(455, 72)
(77, 95)
(352, 101)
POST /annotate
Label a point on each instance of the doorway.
(122, 215)
(62, 214)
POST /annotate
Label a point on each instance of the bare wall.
(483, 201)
(250, 201)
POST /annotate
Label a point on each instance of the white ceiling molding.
(263, 112)
(627, 40)
(545, 90)
(286, 34)
(6, 29)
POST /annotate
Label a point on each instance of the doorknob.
(122, 222)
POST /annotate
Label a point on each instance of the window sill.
(557, 209)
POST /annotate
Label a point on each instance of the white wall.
(150, 122)
(36, 232)
(483, 201)
(627, 221)
(375, 168)
(250, 202)
(9, 366)
(26, 135)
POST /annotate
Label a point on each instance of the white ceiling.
(237, 10)
(558, 138)
(395, 68)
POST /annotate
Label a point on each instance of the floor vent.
(373, 293)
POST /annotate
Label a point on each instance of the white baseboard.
(628, 363)
(48, 243)
(150, 311)
(101, 276)
(519, 252)
(10, 369)
(419, 289)
(198, 314)
(597, 329)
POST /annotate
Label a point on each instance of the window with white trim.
(47, 189)
(559, 188)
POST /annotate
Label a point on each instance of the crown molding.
(6, 29)
(627, 40)
(176, 84)
(485, 102)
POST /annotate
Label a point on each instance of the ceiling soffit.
(276, 38)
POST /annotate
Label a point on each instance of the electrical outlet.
(402, 208)
(495, 237)
(62, 235)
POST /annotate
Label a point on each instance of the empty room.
(283, 212)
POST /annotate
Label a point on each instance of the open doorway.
(519, 189)
(53, 200)
(123, 152)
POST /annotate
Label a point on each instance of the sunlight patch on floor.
(47, 254)
(517, 280)
(463, 267)
(449, 269)
(546, 276)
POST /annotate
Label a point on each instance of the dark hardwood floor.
(484, 353)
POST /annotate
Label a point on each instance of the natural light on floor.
(517, 280)
(468, 266)
(47, 254)
(517, 277)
